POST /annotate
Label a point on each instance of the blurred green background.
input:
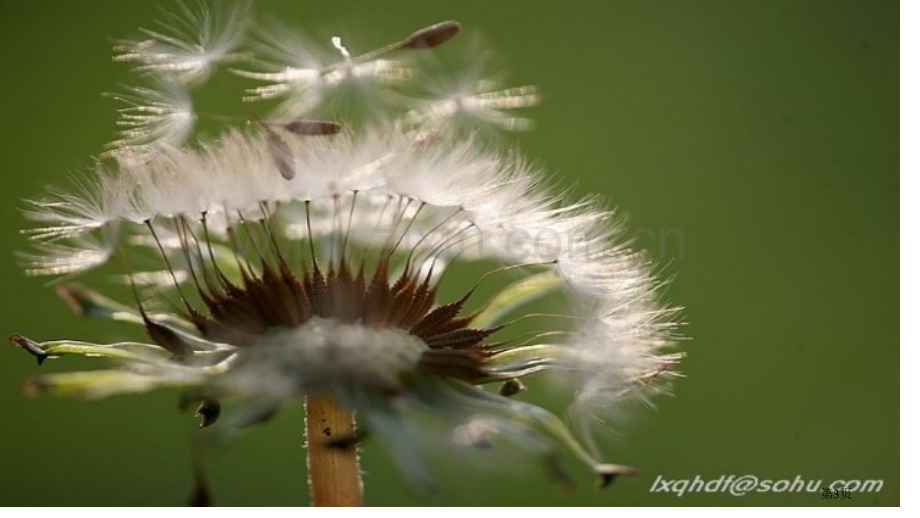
(765, 133)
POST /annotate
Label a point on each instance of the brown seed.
(431, 36)
(281, 153)
(306, 127)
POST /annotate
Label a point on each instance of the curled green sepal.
(93, 384)
(125, 351)
(516, 295)
(88, 302)
(85, 301)
(133, 351)
(521, 361)
(441, 394)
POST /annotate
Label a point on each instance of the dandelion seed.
(470, 99)
(153, 117)
(69, 255)
(190, 42)
(305, 76)
(486, 106)
(307, 260)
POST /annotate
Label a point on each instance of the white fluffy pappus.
(305, 75)
(188, 42)
(153, 116)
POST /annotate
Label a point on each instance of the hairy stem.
(335, 480)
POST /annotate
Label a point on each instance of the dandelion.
(301, 258)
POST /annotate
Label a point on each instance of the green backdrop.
(764, 133)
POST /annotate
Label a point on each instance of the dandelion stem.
(334, 477)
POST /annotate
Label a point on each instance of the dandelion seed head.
(293, 255)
